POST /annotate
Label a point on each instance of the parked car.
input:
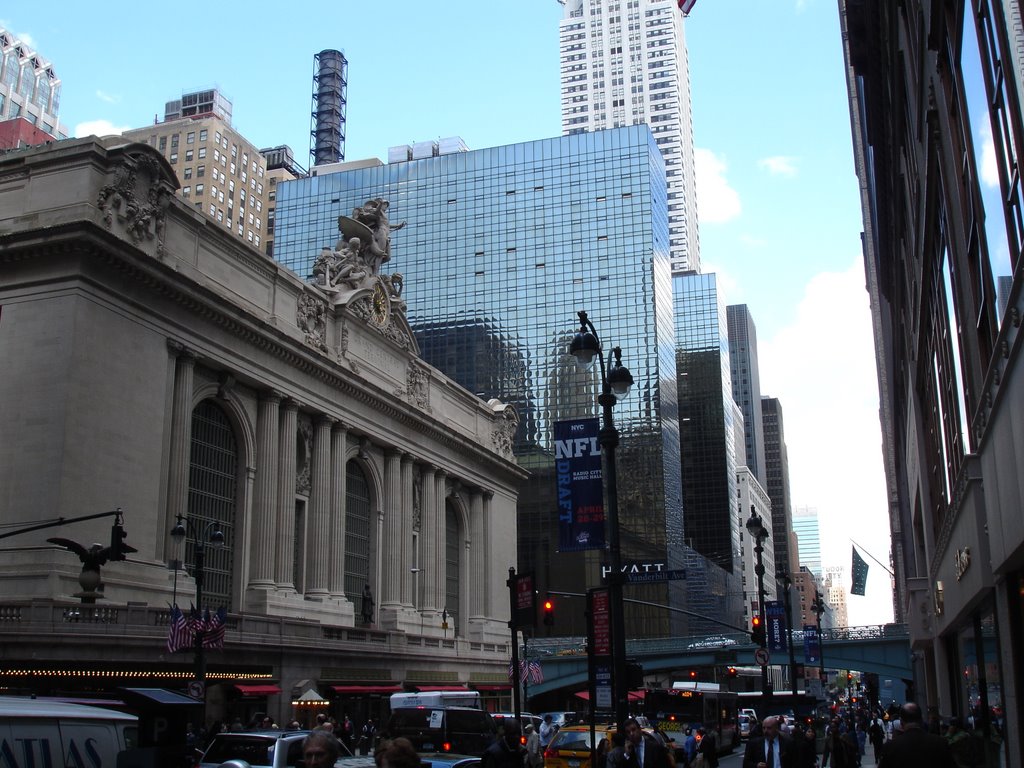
(269, 749)
(447, 760)
(745, 721)
(570, 748)
(525, 718)
(460, 730)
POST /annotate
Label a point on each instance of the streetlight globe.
(585, 348)
(217, 537)
(621, 381)
(178, 531)
(754, 526)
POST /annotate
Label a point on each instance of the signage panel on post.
(580, 488)
(775, 616)
(525, 601)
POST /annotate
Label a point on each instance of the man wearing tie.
(642, 750)
(770, 750)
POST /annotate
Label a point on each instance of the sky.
(778, 206)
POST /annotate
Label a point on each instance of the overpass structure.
(882, 649)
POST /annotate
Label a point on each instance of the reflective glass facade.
(500, 250)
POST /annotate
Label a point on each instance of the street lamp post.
(212, 534)
(818, 606)
(788, 582)
(616, 382)
(757, 531)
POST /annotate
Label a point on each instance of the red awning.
(506, 687)
(633, 695)
(258, 690)
(431, 688)
(365, 689)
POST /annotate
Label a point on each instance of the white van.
(34, 732)
(436, 700)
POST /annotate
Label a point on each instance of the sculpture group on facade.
(365, 245)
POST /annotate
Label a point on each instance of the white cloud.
(989, 170)
(822, 369)
(753, 242)
(107, 97)
(717, 202)
(780, 165)
(99, 128)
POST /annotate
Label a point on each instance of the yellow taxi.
(570, 748)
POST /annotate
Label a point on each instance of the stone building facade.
(156, 364)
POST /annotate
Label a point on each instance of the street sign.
(641, 577)
(762, 657)
(195, 689)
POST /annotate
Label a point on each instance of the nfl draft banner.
(812, 653)
(580, 492)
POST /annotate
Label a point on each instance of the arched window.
(452, 561)
(357, 532)
(212, 497)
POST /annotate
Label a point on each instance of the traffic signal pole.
(513, 623)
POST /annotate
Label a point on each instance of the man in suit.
(915, 747)
(771, 749)
(642, 750)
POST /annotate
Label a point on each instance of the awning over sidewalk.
(258, 690)
(633, 695)
(363, 690)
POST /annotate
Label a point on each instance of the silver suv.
(269, 749)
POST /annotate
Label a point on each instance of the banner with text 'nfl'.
(775, 618)
(580, 492)
(812, 651)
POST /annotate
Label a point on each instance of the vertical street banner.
(524, 601)
(812, 652)
(860, 573)
(599, 649)
(775, 618)
(580, 487)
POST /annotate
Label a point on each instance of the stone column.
(429, 564)
(391, 546)
(181, 431)
(488, 546)
(319, 540)
(339, 492)
(477, 555)
(438, 552)
(405, 553)
(261, 562)
(285, 526)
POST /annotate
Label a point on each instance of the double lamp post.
(757, 531)
(616, 381)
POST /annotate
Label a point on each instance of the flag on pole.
(215, 627)
(536, 674)
(179, 634)
(860, 573)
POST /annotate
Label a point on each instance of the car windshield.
(255, 750)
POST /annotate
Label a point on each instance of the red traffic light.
(693, 674)
(549, 613)
(731, 672)
(755, 622)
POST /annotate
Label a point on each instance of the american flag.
(179, 634)
(529, 671)
(215, 626)
(536, 674)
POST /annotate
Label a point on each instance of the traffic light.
(693, 674)
(118, 548)
(757, 633)
(731, 672)
(549, 613)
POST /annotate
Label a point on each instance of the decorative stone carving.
(417, 390)
(137, 198)
(505, 425)
(311, 317)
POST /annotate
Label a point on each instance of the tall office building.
(624, 63)
(777, 480)
(221, 173)
(835, 595)
(711, 512)
(29, 88)
(808, 534)
(746, 384)
(500, 249)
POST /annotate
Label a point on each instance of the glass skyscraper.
(708, 458)
(805, 526)
(746, 384)
(500, 249)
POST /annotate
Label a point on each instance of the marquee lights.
(131, 673)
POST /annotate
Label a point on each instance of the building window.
(212, 493)
(202, 152)
(188, 156)
(199, 189)
(203, 134)
(174, 157)
(188, 172)
(190, 138)
(174, 141)
(163, 144)
(186, 192)
(357, 531)
(200, 171)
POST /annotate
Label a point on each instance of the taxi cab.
(570, 748)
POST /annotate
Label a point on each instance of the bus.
(805, 709)
(688, 706)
